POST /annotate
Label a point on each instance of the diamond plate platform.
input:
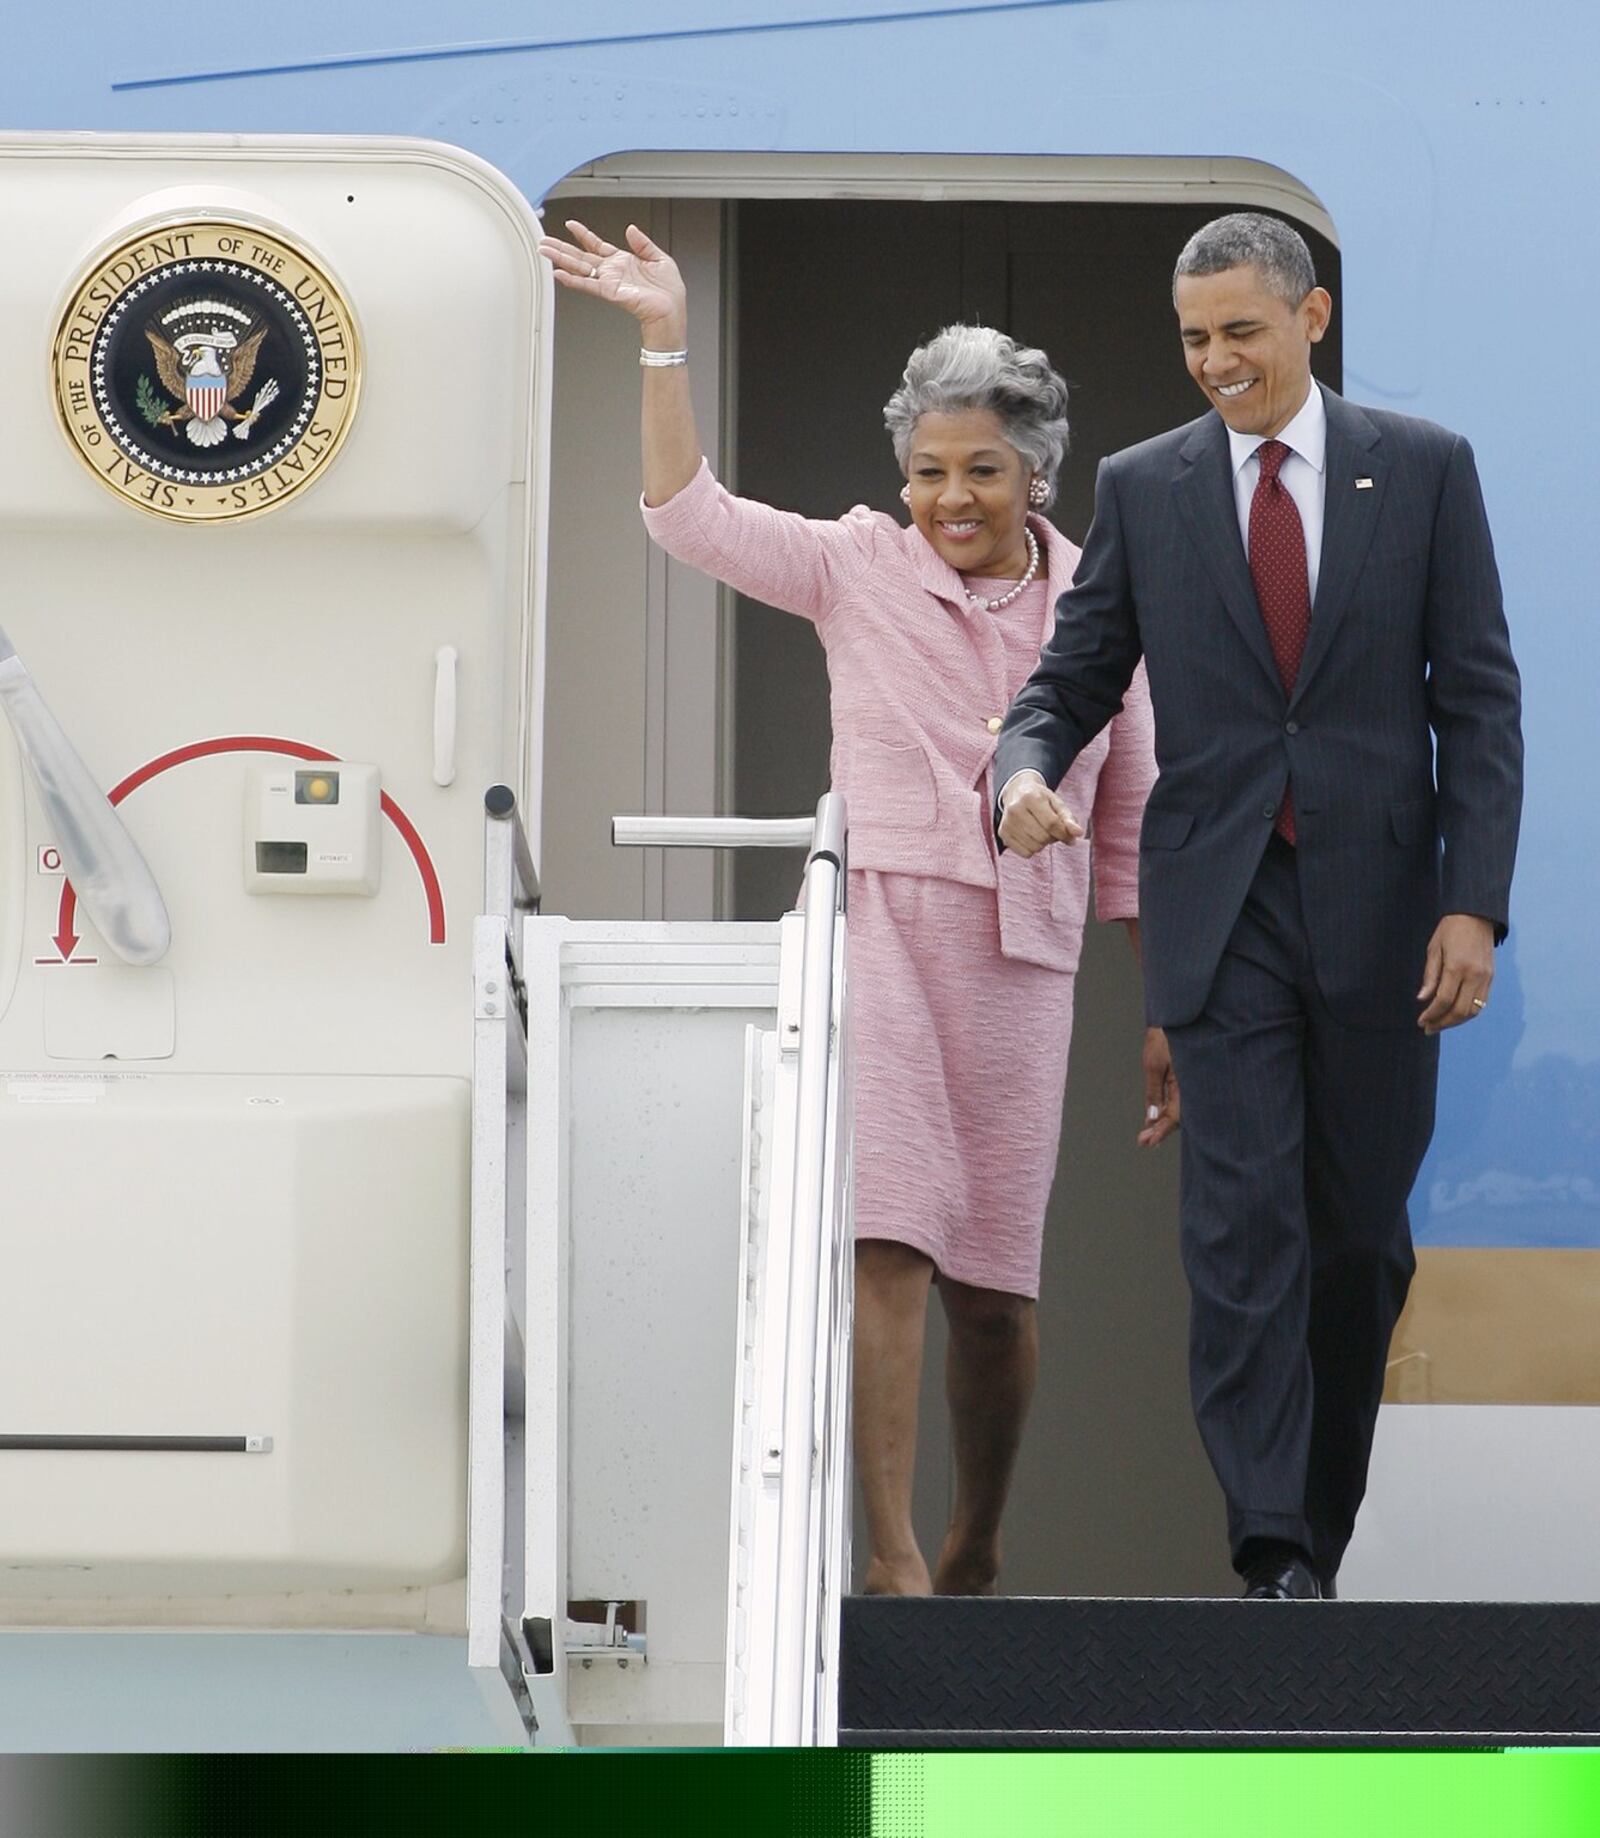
(1031, 1672)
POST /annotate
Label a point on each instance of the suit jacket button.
(1269, 811)
(995, 723)
(1291, 727)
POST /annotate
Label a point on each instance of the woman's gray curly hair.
(974, 366)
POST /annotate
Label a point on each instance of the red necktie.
(1283, 589)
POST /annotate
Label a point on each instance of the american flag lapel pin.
(1363, 485)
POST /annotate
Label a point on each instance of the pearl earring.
(1038, 493)
(905, 493)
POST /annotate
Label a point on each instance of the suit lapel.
(1349, 517)
(934, 573)
(1203, 488)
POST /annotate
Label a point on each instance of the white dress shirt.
(1303, 474)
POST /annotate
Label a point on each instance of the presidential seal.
(206, 370)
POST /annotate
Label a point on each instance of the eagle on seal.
(208, 369)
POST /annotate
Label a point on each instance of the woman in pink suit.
(961, 961)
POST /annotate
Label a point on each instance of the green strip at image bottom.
(1478, 1794)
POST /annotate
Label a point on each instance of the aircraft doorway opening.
(1113, 1495)
(803, 309)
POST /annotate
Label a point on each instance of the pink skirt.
(960, 1062)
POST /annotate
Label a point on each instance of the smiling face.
(1248, 348)
(969, 492)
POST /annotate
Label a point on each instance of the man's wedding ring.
(1478, 1002)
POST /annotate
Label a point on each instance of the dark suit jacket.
(1408, 658)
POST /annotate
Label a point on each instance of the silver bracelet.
(661, 360)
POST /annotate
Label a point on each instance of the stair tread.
(1025, 1669)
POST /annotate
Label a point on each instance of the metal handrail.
(712, 832)
(498, 1641)
(829, 831)
(795, 1632)
(510, 880)
(822, 834)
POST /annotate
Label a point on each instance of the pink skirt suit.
(961, 959)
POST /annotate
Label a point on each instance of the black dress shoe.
(1281, 1579)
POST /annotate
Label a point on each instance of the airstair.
(661, 1297)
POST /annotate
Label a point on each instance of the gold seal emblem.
(206, 370)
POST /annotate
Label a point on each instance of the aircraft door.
(269, 516)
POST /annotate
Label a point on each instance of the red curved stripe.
(292, 749)
(204, 749)
(419, 851)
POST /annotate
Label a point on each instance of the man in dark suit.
(1313, 589)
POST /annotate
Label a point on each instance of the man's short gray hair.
(1276, 251)
(974, 366)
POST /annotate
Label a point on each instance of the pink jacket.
(918, 689)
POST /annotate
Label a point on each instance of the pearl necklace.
(994, 606)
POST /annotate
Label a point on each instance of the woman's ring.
(1478, 1002)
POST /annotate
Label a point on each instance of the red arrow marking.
(66, 938)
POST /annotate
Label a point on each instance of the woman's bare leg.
(891, 1313)
(989, 1378)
